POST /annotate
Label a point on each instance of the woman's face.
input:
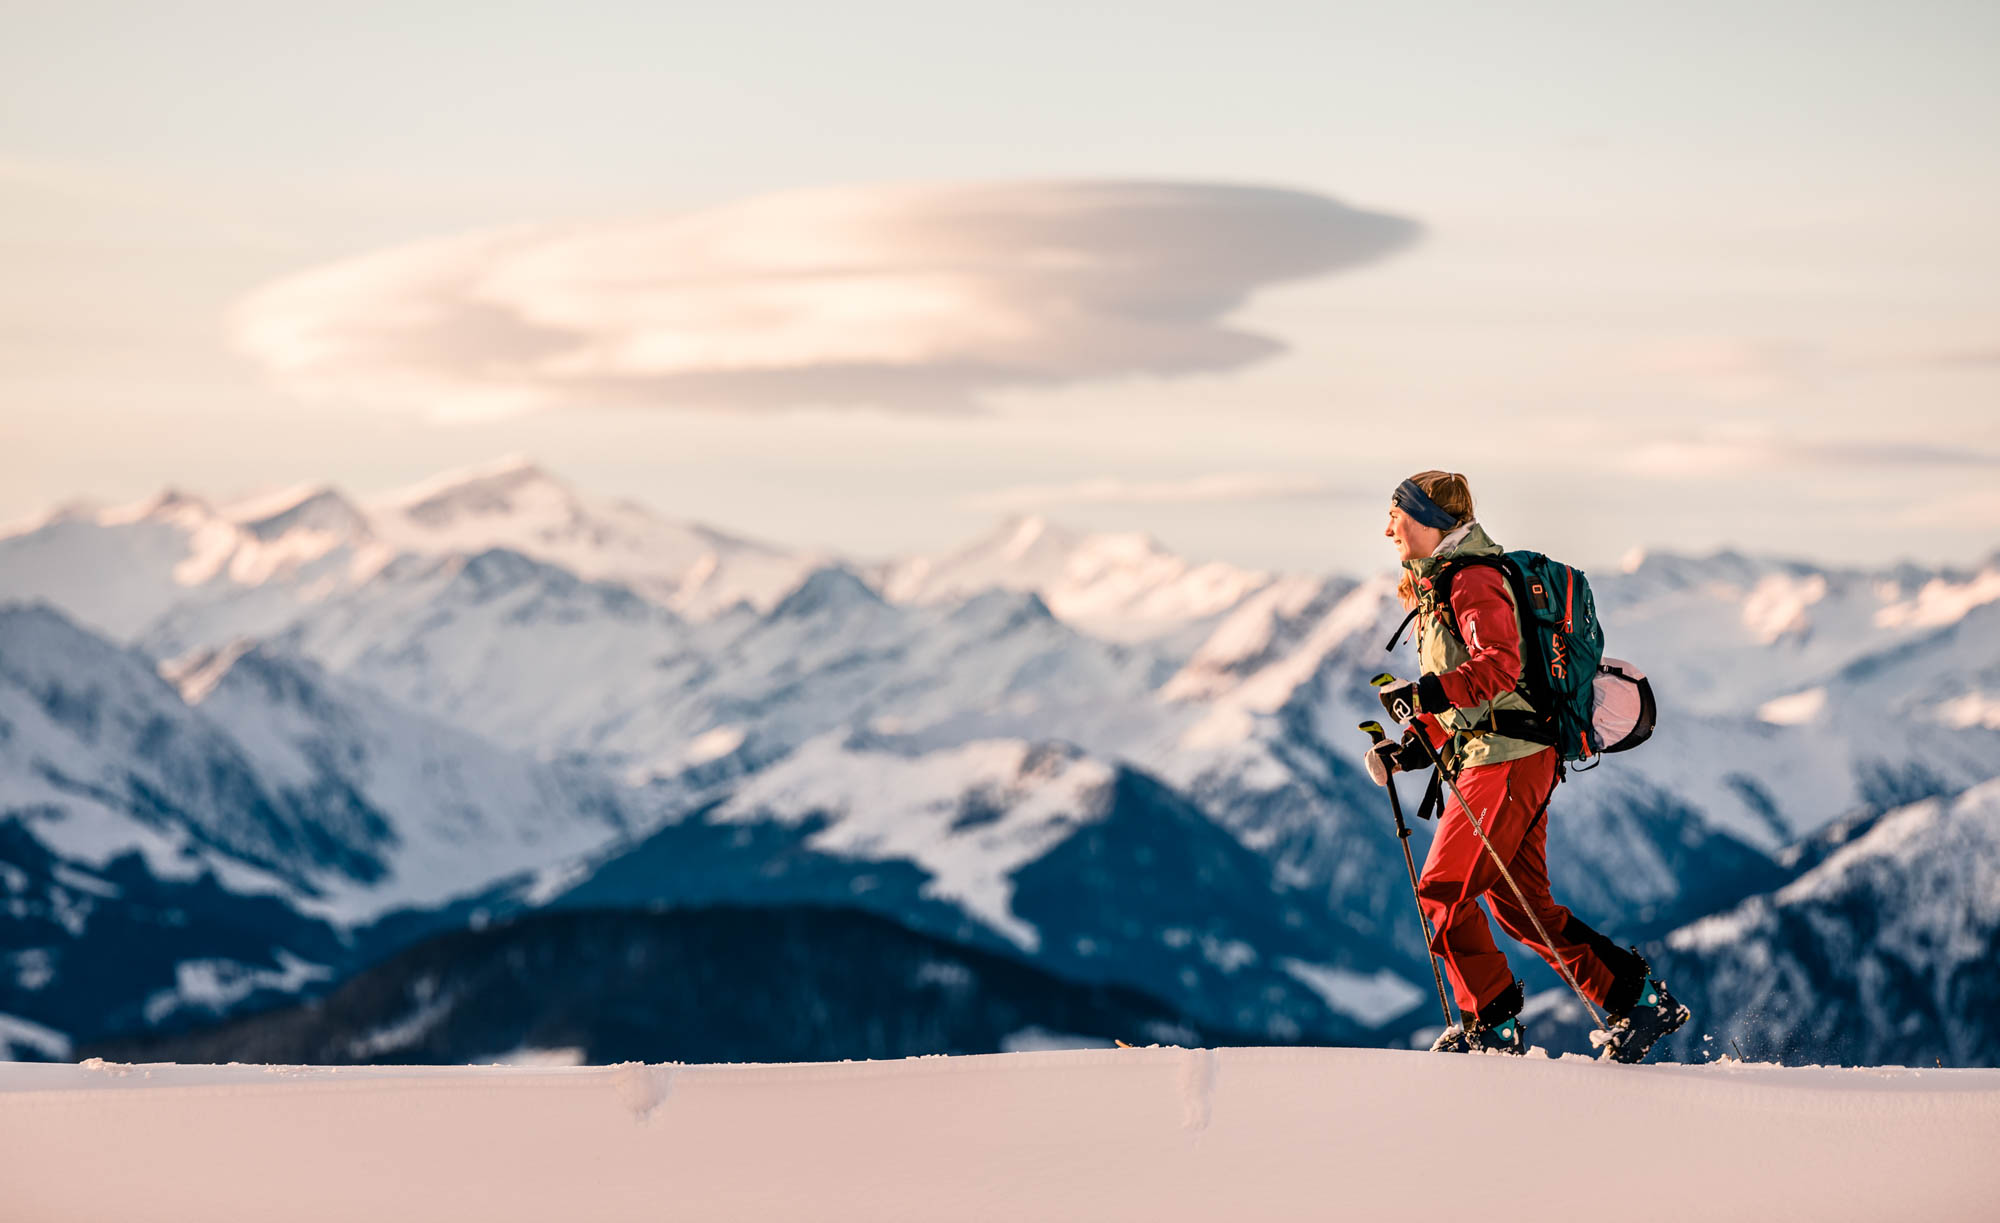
(1412, 538)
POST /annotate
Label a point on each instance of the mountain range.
(492, 694)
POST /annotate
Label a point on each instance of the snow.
(1941, 601)
(1719, 930)
(1041, 1040)
(714, 744)
(32, 967)
(1372, 1000)
(240, 753)
(19, 1036)
(1152, 1134)
(467, 812)
(1249, 630)
(567, 1055)
(552, 881)
(513, 504)
(1229, 955)
(1960, 836)
(194, 675)
(78, 881)
(214, 986)
(1262, 625)
(1972, 709)
(1121, 586)
(970, 816)
(1881, 952)
(527, 631)
(1776, 606)
(1795, 710)
(1939, 860)
(404, 1032)
(1232, 716)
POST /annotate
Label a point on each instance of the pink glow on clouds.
(906, 297)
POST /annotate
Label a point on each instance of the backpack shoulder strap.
(1533, 684)
(1398, 634)
(1441, 587)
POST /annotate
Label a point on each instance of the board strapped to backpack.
(1583, 704)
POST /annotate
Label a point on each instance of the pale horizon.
(867, 282)
(246, 502)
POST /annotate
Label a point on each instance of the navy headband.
(1417, 504)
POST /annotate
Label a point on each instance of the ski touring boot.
(1496, 1028)
(1634, 1027)
(1508, 1036)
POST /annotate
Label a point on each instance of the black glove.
(1404, 699)
(1405, 757)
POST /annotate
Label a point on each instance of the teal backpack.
(1585, 704)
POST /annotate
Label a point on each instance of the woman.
(1469, 692)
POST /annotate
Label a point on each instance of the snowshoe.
(1632, 1032)
(1508, 1036)
(1495, 1029)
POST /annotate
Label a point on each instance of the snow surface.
(1154, 1134)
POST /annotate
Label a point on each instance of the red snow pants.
(1510, 799)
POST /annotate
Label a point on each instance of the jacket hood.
(1468, 540)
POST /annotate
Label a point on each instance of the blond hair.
(1454, 496)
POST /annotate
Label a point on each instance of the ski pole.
(1407, 713)
(1376, 735)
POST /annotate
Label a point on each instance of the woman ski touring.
(1471, 710)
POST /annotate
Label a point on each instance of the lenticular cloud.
(909, 297)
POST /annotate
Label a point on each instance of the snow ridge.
(1192, 1129)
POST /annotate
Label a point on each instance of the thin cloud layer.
(1716, 455)
(1109, 490)
(909, 297)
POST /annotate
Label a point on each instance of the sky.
(866, 277)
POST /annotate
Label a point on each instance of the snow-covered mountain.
(120, 569)
(1770, 630)
(439, 809)
(89, 950)
(102, 756)
(1791, 696)
(179, 571)
(1121, 586)
(272, 774)
(1096, 872)
(622, 698)
(515, 505)
(237, 812)
(1885, 952)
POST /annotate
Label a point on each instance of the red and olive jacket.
(1479, 669)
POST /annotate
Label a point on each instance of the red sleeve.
(1492, 635)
